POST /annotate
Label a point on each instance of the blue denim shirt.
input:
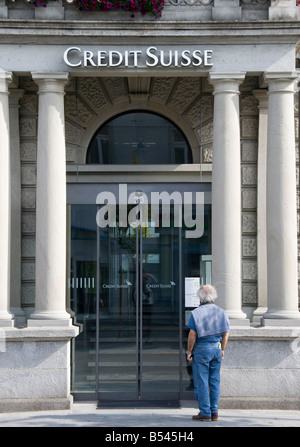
(212, 338)
(210, 320)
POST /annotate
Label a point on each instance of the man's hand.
(190, 344)
(189, 357)
(224, 342)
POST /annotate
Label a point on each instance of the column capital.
(237, 76)
(281, 81)
(262, 97)
(50, 82)
(6, 77)
(226, 82)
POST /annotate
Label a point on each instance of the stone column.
(281, 202)
(262, 97)
(50, 306)
(226, 194)
(15, 246)
(6, 318)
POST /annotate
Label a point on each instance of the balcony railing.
(178, 10)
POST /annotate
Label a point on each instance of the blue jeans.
(206, 366)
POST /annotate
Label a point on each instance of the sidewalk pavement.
(87, 415)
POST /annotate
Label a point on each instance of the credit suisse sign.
(146, 57)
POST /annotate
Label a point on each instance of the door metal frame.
(139, 312)
(97, 310)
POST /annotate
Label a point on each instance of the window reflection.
(139, 138)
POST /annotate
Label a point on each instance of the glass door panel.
(160, 309)
(126, 291)
(139, 313)
(117, 356)
(81, 295)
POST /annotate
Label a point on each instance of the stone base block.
(35, 368)
(226, 13)
(54, 11)
(258, 403)
(280, 322)
(22, 405)
(3, 12)
(48, 323)
(236, 322)
(261, 369)
(284, 13)
(6, 323)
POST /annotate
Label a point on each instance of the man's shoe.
(200, 417)
(214, 416)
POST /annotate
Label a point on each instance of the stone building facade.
(227, 78)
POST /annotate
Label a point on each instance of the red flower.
(154, 7)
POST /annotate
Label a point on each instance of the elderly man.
(207, 340)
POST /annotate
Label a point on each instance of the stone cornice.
(63, 31)
(54, 333)
(264, 333)
(66, 333)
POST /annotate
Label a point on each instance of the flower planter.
(133, 7)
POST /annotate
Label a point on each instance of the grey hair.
(207, 294)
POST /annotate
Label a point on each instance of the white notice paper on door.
(192, 286)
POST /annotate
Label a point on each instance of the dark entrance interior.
(127, 291)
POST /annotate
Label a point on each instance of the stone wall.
(249, 153)
(28, 147)
(188, 101)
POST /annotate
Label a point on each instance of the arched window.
(139, 138)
